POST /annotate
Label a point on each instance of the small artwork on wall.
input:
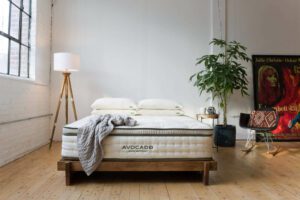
(277, 85)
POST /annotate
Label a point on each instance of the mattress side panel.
(147, 147)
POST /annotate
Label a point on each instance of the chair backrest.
(263, 120)
(244, 120)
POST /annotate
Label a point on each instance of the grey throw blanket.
(90, 136)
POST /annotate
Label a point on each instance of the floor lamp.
(65, 63)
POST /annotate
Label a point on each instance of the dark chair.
(262, 121)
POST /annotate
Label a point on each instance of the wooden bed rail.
(204, 166)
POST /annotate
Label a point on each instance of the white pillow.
(160, 112)
(158, 104)
(103, 112)
(113, 104)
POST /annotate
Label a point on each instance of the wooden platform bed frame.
(204, 166)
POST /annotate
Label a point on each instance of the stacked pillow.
(159, 107)
(156, 107)
(114, 106)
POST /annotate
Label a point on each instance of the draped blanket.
(90, 136)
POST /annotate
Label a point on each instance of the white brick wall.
(17, 139)
(21, 99)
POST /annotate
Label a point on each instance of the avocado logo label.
(136, 148)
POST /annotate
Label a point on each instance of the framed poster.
(277, 85)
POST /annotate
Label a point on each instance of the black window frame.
(19, 39)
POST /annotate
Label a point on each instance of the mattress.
(154, 137)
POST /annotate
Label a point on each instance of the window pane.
(26, 4)
(24, 61)
(14, 26)
(4, 14)
(25, 29)
(17, 2)
(14, 58)
(3, 54)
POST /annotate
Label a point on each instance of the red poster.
(277, 85)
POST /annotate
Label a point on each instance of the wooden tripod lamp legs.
(72, 98)
(66, 99)
(65, 87)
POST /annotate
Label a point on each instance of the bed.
(157, 143)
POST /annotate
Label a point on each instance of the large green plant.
(223, 72)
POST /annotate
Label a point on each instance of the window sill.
(21, 79)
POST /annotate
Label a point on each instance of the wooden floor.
(253, 176)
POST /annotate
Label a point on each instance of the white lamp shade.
(66, 62)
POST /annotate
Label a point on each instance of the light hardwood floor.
(252, 176)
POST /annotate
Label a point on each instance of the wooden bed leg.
(68, 173)
(206, 173)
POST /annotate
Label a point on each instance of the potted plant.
(223, 73)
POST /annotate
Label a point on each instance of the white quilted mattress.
(155, 137)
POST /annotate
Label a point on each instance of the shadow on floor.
(132, 177)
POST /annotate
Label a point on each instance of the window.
(15, 22)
